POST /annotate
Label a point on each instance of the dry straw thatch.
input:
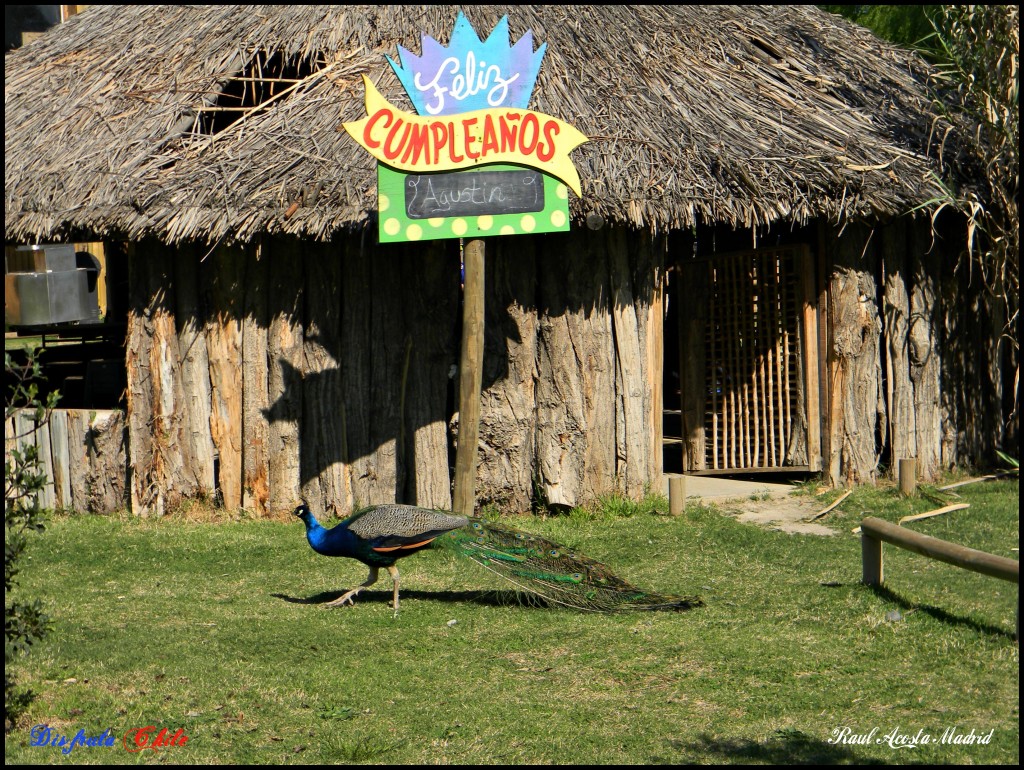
(115, 121)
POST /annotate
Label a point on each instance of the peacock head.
(302, 511)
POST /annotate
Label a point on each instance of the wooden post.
(908, 476)
(871, 559)
(676, 494)
(951, 553)
(470, 378)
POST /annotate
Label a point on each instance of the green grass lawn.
(219, 630)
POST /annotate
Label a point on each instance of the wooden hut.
(743, 287)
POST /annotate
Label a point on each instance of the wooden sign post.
(472, 161)
(470, 378)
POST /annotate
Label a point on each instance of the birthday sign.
(412, 143)
(479, 161)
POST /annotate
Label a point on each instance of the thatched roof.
(115, 120)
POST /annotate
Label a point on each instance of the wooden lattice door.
(748, 362)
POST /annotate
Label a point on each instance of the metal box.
(42, 258)
(42, 299)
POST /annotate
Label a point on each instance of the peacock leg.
(393, 571)
(347, 596)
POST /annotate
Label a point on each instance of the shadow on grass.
(784, 747)
(492, 598)
(488, 598)
(940, 614)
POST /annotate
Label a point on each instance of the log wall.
(286, 370)
(83, 453)
(914, 353)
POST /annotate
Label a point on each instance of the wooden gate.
(748, 363)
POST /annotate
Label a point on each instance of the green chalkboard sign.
(473, 193)
(495, 200)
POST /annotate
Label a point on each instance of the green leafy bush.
(24, 621)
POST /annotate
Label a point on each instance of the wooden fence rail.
(875, 531)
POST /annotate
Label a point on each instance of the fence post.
(676, 494)
(908, 476)
(871, 559)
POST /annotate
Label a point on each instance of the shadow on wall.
(328, 371)
(550, 377)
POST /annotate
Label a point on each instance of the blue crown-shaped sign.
(470, 74)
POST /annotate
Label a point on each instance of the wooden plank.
(812, 402)
(772, 386)
(386, 345)
(9, 435)
(576, 443)
(106, 476)
(194, 396)
(925, 351)
(856, 344)
(900, 412)
(748, 470)
(223, 277)
(646, 260)
(754, 326)
(745, 312)
(33, 434)
(357, 453)
(61, 460)
(779, 328)
(713, 369)
(988, 477)
(47, 496)
(629, 401)
(654, 363)
(78, 458)
(140, 397)
(324, 485)
(430, 300)
(832, 507)
(823, 262)
(936, 512)
(25, 435)
(470, 378)
(285, 370)
(507, 417)
(160, 474)
(733, 457)
(787, 360)
(255, 322)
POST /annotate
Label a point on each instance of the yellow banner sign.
(410, 142)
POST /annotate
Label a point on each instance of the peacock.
(380, 535)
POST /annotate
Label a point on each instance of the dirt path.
(783, 512)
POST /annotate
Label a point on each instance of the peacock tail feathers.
(547, 570)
